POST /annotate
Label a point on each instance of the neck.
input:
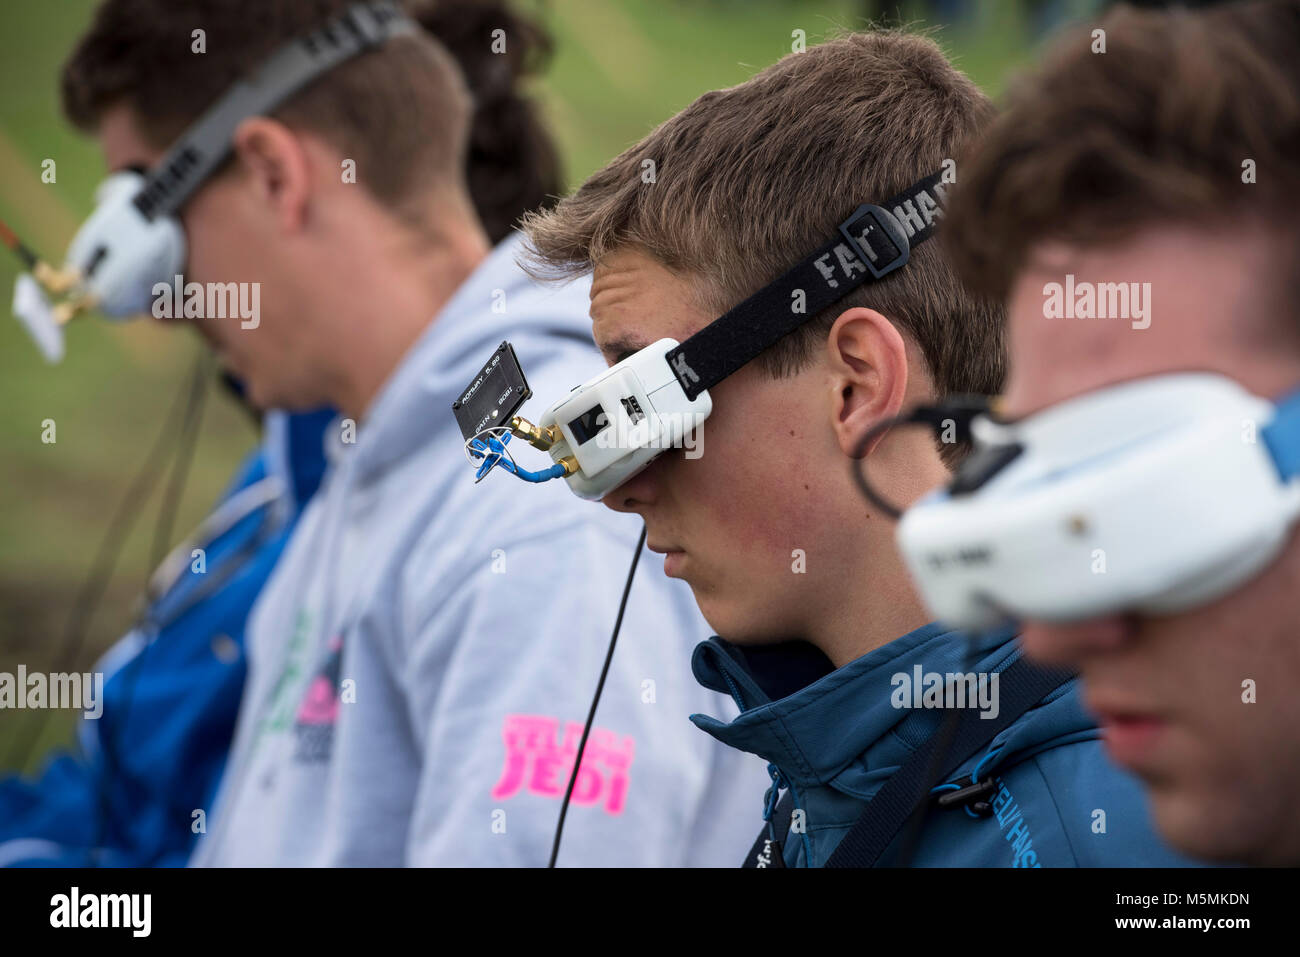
(867, 598)
(867, 618)
(871, 600)
(384, 297)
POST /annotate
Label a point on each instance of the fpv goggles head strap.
(872, 243)
(201, 148)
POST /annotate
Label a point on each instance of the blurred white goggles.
(133, 240)
(1154, 496)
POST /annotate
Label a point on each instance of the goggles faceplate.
(618, 422)
(120, 254)
(1153, 496)
(133, 241)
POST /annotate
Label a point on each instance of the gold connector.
(65, 285)
(55, 281)
(538, 438)
(64, 311)
(570, 464)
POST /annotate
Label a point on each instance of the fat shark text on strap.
(873, 242)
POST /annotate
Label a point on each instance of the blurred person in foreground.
(1167, 166)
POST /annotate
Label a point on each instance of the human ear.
(277, 167)
(867, 360)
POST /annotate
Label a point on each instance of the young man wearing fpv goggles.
(764, 291)
(1136, 507)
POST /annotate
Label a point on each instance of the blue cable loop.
(493, 454)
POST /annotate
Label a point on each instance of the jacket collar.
(813, 721)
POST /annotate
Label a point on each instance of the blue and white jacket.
(834, 736)
(172, 685)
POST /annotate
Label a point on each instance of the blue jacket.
(182, 670)
(835, 735)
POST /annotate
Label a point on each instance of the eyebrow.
(622, 347)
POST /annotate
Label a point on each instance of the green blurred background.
(620, 67)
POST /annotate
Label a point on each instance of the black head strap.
(202, 147)
(872, 243)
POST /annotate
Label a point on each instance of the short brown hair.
(1156, 128)
(751, 179)
(403, 113)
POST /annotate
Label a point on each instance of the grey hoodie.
(423, 657)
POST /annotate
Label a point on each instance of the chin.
(257, 395)
(1209, 826)
(279, 394)
(739, 621)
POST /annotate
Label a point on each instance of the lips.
(673, 558)
(1130, 735)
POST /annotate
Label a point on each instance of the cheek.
(1242, 649)
(197, 262)
(708, 497)
(1220, 667)
(224, 245)
(752, 486)
(209, 248)
(1052, 359)
(1032, 359)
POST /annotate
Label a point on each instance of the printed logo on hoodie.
(1016, 828)
(539, 763)
(314, 726)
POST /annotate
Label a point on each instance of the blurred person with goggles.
(174, 682)
(1132, 499)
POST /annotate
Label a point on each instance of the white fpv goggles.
(133, 240)
(1154, 496)
(611, 427)
(617, 423)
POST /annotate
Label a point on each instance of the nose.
(638, 493)
(1058, 644)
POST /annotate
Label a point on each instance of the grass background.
(621, 67)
